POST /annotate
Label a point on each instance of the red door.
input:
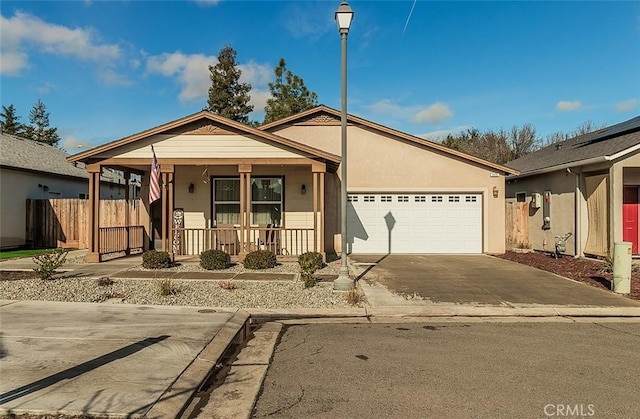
(630, 209)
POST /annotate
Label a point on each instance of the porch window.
(226, 202)
(266, 200)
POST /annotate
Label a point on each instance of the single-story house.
(34, 170)
(587, 186)
(227, 185)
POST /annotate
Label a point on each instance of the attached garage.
(415, 223)
(407, 194)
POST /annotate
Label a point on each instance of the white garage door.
(414, 223)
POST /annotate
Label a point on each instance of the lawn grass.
(22, 253)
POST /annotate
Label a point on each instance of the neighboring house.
(232, 186)
(587, 186)
(34, 170)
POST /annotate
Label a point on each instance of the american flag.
(154, 179)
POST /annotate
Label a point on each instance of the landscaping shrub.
(152, 259)
(49, 262)
(354, 296)
(310, 261)
(227, 285)
(166, 288)
(260, 259)
(214, 259)
(105, 281)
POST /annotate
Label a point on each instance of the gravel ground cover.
(236, 293)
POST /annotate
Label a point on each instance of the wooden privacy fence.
(65, 222)
(517, 223)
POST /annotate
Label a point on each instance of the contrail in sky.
(409, 17)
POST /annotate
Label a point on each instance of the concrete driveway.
(478, 279)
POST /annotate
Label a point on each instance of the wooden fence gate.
(64, 222)
(517, 224)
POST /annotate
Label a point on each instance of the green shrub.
(49, 262)
(260, 259)
(214, 259)
(309, 281)
(152, 259)
(309, 263)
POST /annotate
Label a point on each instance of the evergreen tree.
(38, 128)
(289, 95)
(10, 123)
(227, 96)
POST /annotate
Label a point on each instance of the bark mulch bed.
(17, 275)
(583, 270)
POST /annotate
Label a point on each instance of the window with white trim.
(453, 198)
(470, 198)
(403, 198)
(385, 198)
(436, 198)
(369, 198)
(421, 198)
(352, 198)
(266, 200)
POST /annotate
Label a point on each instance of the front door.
(630, 213)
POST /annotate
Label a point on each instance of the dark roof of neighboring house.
(381, 128)
(605, 144)
(31, 155)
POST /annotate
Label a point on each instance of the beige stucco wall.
(380, 163)
(562, 186)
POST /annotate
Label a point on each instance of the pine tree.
(289, 95)
(10, 123)
(227, 96)
(38, 128)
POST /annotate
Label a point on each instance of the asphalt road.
(454, 370)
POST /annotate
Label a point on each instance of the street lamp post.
(343, 17)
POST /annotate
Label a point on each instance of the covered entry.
(414, 223)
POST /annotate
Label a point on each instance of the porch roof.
(314, 153)
(305, 115)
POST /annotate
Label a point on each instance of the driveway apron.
(480, 279)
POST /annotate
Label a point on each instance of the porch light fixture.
(495, 192)
(303, 189)
(343, 16)
(192, 187)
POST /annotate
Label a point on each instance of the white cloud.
(568, 105)
(433, 114)
(24, 33)
(309, 19)
(46, 88)
(192, 73)
(74, 145)
(207, 2)
(386, 106)
(440, 135)
(627, 105)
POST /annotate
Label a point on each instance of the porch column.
(164, 222)
(245, 208)
(127, 212)
(314, 189)
(93, 242)
(322, 228)
(170, 206)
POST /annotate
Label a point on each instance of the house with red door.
(588, 186)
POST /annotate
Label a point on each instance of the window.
(521, 197)
(266, 200)
(421, 198)
(454, 198)
(83, 196)
(352, 198)
(226, 201)
(385, 198)
(403, 198)
(369, 198)
(436, 198)
(470, 198)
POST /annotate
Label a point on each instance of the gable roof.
(390, 131)
(602, 145)
(25, 154)
(206, 115)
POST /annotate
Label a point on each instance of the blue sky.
(106, 70)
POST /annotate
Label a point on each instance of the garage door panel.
(423, 223)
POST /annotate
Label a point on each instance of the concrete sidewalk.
(125, 360)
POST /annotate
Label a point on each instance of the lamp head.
(344, 16)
